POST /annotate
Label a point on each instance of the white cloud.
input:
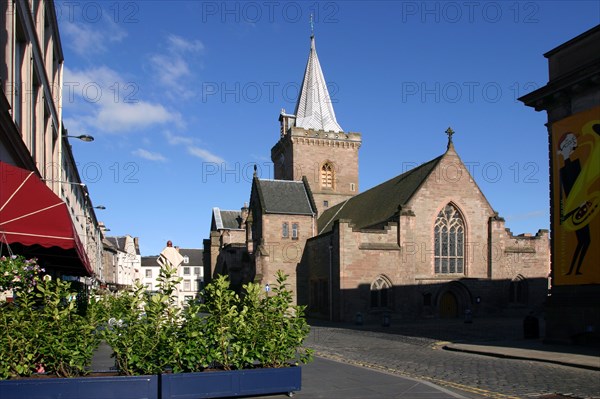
(121, 117)
(192, 149)
(204, 154)
(172, 68)
(182, 45)
(109, 103)
(175, 140)
(89, 39)
(151, 156)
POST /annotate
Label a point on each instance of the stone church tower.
(313, 144)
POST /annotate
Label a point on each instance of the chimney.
(244, 214)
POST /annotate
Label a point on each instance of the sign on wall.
(575, 144)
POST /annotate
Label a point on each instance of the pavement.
(535, 350)
(336, 377)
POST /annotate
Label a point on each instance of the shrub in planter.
(43, 332)
(144, 327)
(225, 332)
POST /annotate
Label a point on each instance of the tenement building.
(36, 158)
(426, 243)
(571, 99)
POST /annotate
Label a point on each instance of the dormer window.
(186, 259)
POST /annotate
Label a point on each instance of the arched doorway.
(448, 305)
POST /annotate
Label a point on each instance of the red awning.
(33, 216)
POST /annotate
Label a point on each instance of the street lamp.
(65, 182)
(101, 207)
(83, 137)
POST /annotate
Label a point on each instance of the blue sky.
(183, 97)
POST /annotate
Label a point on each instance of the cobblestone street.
(414, 349)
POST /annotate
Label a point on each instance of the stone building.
(425, 243)
(34, 139)
(283, 216)
(571, 99)
(126, 264)
(226, 247)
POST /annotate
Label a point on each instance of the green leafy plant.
(282, 327)
(149, 334)
(143, 328)
(43, 332)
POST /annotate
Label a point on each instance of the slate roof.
(117, 242)
(150, 261)
(229, 220)
(195, 256)
(109, 244)
(284, 197)
(314, 109)
(380, 203)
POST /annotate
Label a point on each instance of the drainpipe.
(330, 280)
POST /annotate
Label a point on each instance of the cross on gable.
(449, 132)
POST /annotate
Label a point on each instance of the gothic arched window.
(449, 241)
(327, 175)
(381, 290)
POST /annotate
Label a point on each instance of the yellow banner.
(576, 195)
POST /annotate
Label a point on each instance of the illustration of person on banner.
(580, 187)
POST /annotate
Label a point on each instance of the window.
(186, 259)
(294, 231)
(148, 273)
(187, 285)
(196, 271)
(380, 292)
(186, 271)
(20, 47)
(449, 241)
(285, 233)
(352, 187)
(325, 204)
(327, 175)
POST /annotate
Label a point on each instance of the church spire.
(314, 109)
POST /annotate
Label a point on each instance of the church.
(426, 243)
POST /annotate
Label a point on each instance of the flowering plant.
(18, 273)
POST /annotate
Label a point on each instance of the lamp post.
(83, 137)
(64, 133)
(65, 182)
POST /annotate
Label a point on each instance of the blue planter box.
(172, 386)
(220, 384)
(135, 387)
